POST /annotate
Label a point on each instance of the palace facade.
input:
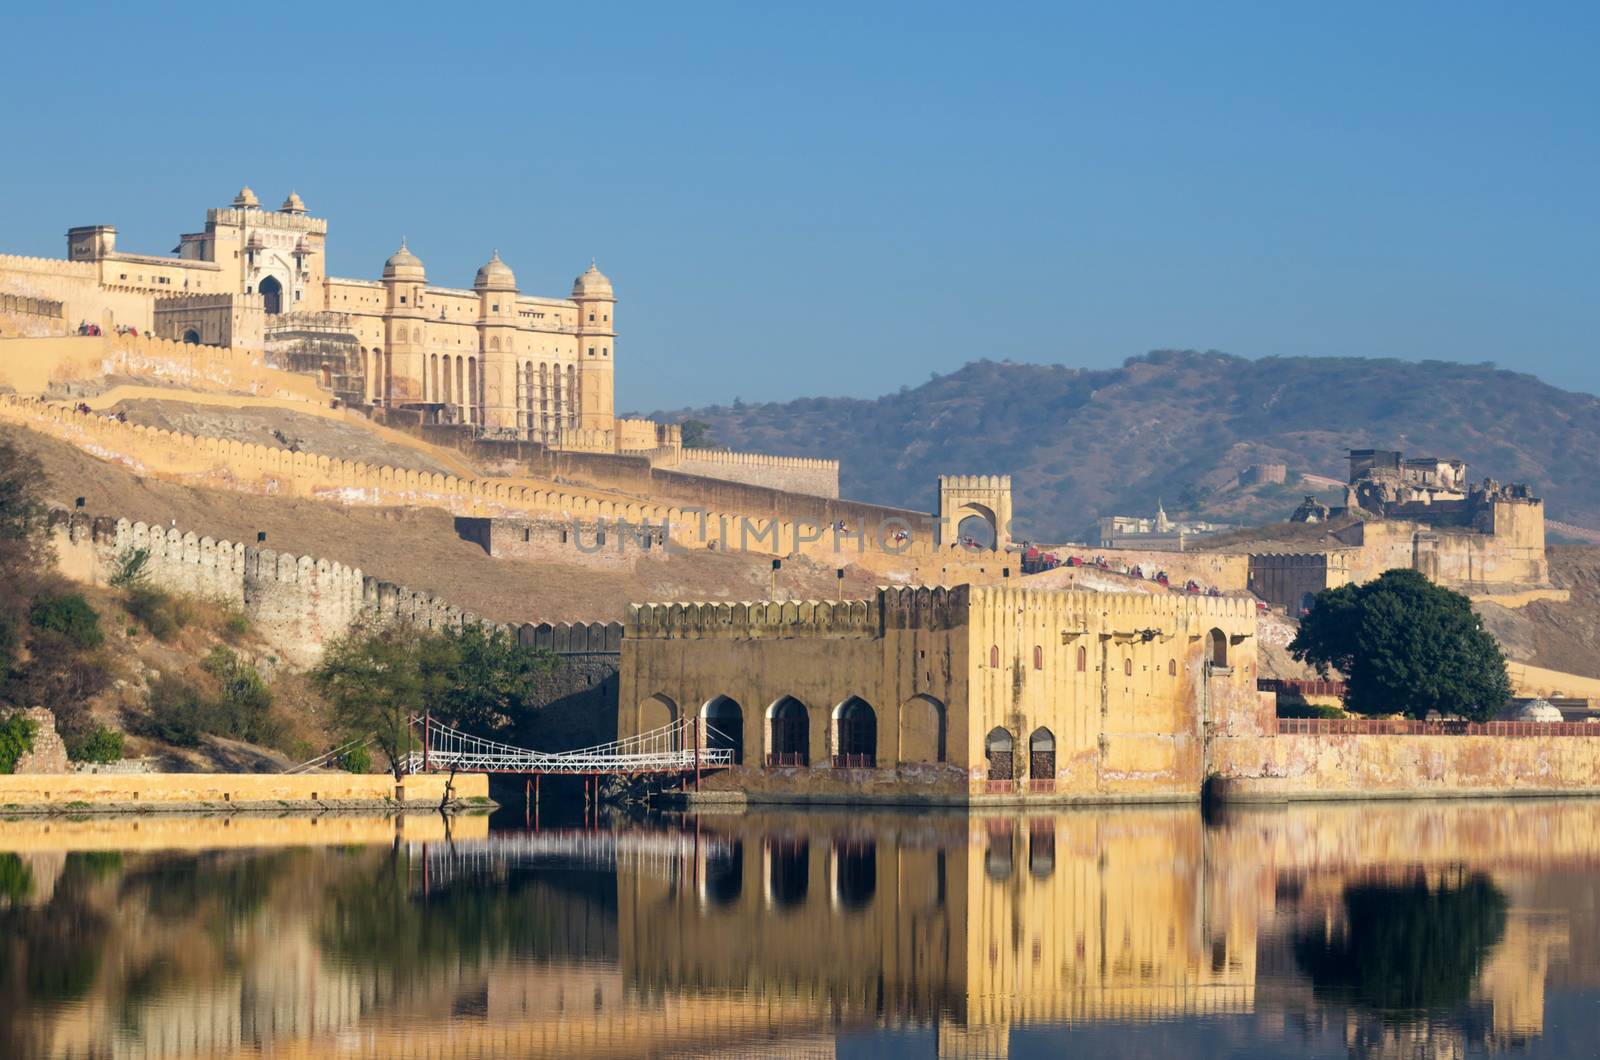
(510, 364)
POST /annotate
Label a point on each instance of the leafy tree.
(23, 552)
(178, 712)
(16, 740)
(68, 614)
(244, 703)
(1406, 645)
(101, 744)
(375, 679)
(696, 434)
(489, 676)
(1406, 948)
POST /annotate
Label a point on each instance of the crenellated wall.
(793, 474)
(31, 365)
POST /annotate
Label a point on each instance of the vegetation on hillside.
(1405, 646)
(1178, 426)
(475, 678)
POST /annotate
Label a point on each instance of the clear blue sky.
(797, 200)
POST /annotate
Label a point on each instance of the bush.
(162, 613)
(1308, 710)
(101, 745)
(243, 709)
(131, 568)
(69, 615)
(62, 677)
(356, 761)
(178, 712)
(16, 740)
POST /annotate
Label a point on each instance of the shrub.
(60, 676)
(16, 740)
(162, 613)
(358, 760)
(131, 568)
(243, 709)
(69, 615)
(178, 712)
(1308, 710)
(236, 625)
(102, 744)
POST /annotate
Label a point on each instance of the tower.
(597, 337)
(395, 370)
(494, 386)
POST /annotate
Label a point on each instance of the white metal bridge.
(685, 746)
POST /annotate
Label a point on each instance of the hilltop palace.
(513, 365)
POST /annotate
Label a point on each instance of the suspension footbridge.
(687, 746)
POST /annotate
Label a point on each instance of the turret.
(496, 286)
(396, 378)
(596, 345)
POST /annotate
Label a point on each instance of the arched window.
(1172, 667)
(1038, 657)
(416, 335)
(494, 342)
(922, 730)
(855, 726)
(788, 733)
(1083, 659)
(1127, 667)
(191, 337)
(1217, 648)
(994, 655)
(998, 749)
(723, 722)
(1042, 755)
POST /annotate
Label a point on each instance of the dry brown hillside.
(1563, 636)
(418, 548)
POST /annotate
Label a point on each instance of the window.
(994, 655)
(1172, 668)
(494, 309)
(591, 351)
(605, 351)
(402, 299)
(1127, 667)
(1038, 657)
(591, 318)
(1083, 659)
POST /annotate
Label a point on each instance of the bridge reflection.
(767, 934)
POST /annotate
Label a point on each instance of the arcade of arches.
(965, 691)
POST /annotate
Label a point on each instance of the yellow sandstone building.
(514, 365)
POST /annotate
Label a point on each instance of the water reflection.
(1361, 931)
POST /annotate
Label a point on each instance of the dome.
(1539, 710)
(495, 275)
(294, 203)
(246, 199)
(592, 284)
(403, 265)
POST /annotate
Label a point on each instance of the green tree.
(23, 553)
(489, 678)
(375, 679)
(1405, 645)
(696, 434)
(244, 703)
(68, 614)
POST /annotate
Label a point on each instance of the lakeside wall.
(125, 792)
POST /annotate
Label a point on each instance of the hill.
(1178, 426)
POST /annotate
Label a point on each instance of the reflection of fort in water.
(781, 929)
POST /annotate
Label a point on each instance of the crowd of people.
(86, 328)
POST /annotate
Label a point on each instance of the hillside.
(1178, 426)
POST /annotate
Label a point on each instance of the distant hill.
(1179, 426)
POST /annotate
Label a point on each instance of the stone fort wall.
(226, 464)
(791, 474)
(32, 365)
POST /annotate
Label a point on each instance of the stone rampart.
(103, 792)
(1274, 768)
(228, 464)
(760, 620)
(32, 365)
(792, 474)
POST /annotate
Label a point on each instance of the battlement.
(55, 266)
(1133, 605)
(975, 482)
(37, 307)
(729, 456)
(179, 300)
(234, 215)
(759, 620)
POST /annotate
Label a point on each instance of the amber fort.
(967, 673)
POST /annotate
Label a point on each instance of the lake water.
(1425, 930)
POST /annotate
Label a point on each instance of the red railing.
(1041, 785)
(787, 758)
(999, 787)
(1407, 727)
(1295, 685)
(855, 761)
